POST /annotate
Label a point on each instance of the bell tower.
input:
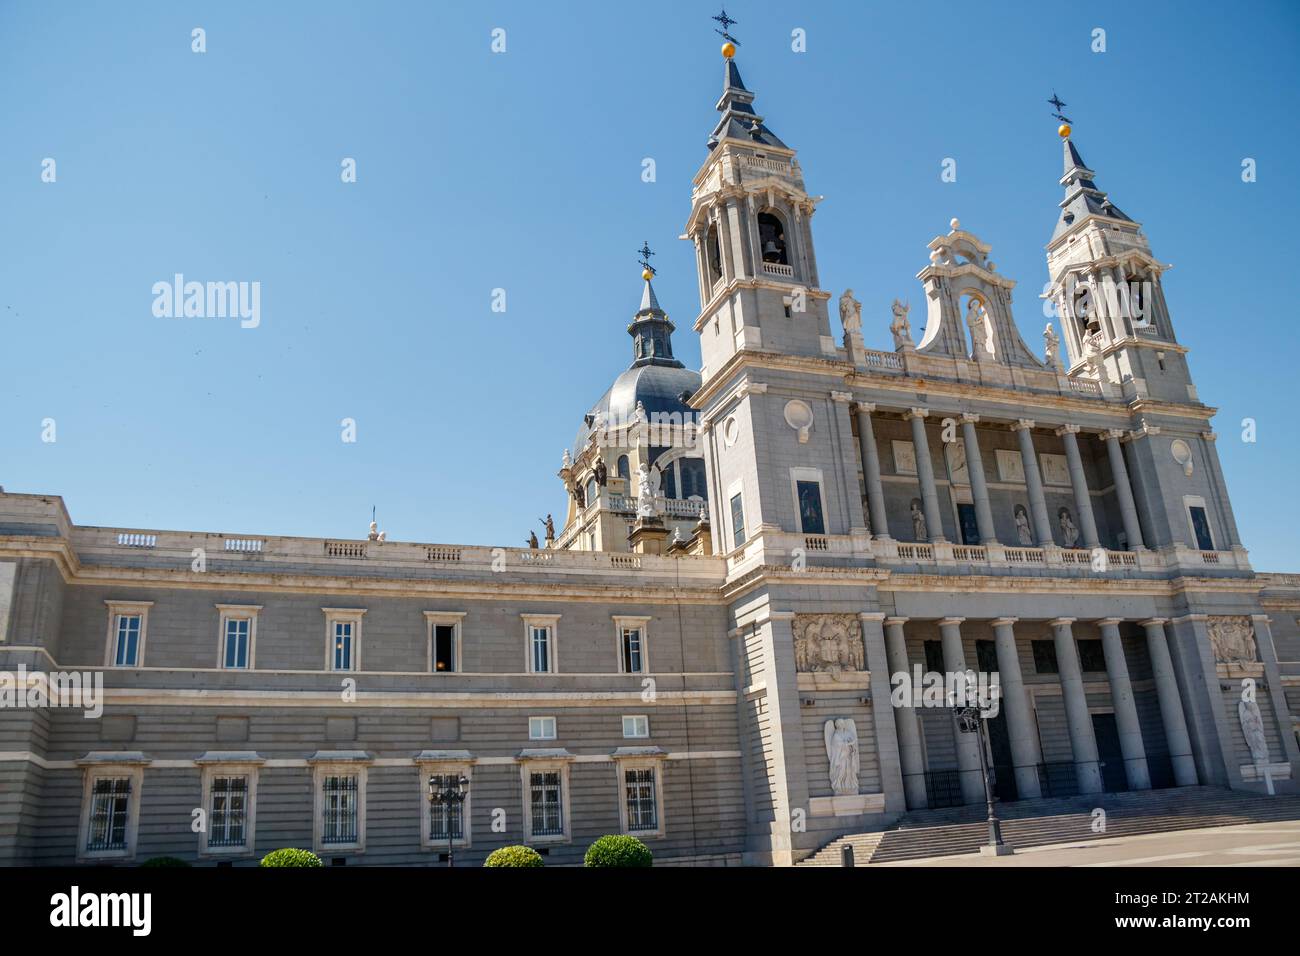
(750, 222)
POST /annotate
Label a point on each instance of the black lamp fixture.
(450, 796)
(966, 711)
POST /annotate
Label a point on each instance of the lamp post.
(967, 714)
(449, 797)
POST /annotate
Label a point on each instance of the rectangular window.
(339, 804)
(640, 799)
(237, 637)
(1044, 656)
(1092, 656)
(540, 643)
(933, 656)
(737, 521)
(126, 648)
(228, 811)
(1201, 526)
(632, 648)
(343, 645)
(541, 728)
(110, 810)
(444, 647)
(546, 803)
(446, 820)
(636, 726)
(809, 495)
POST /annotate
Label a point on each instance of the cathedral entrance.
(1004, 773)
(1114, 779)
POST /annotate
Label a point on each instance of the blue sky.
(522, 171)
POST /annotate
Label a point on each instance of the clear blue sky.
(523, 171)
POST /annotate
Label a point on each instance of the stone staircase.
(956, 830)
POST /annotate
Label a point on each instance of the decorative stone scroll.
(1233, 640)
(830, 643)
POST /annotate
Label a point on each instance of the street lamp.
(969, 721)
(451, 797)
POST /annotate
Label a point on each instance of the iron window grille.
(110, 809)
(446, 820)
(642, 809)
(547, 808)
(339, 809)
(229, 812)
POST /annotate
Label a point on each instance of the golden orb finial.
(1063, 130)
(728, 49)
(647, 275)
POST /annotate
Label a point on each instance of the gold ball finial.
(728, 49)
(647, 275)
(1063, 130)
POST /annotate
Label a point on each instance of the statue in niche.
(850, 312)
(1252, 728)
(978, 321)
(919, 529)
(1052, 348)
(900, 328)
(1069, 533)
(1023, 531)
(830, 643)
(601, 472)
(1233, 640)
(841, 738)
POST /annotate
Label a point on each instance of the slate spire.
(1082, 197)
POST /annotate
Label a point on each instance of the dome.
(658, 387)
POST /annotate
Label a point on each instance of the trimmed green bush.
(618, 851)
(164, 861)
(291, 857)
(514, 856)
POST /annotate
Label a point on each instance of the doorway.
(1110, 756)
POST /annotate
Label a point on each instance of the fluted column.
(1025, 752)
(925, 475)
(906, 721)
(968, 753)
(1171, 703)
(1079, 485)
(1123, 490)
(979, 491)
(1033, 483)
(1126, 715)
(1083, 742)
(871, 471)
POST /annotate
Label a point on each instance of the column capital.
(1111, 621)
(1005, 621)
(1210, 436)
(895, 619)
(845, 397)
(867, 407)
(775, 616)
(871, 615)
(916, 413)
(1115, 433)
(1262, 619)
(969, 418)
(1154, 622)
(1191, 617)
(1062, 621)
(1068, 430)
(1023, 424)
(954, 621)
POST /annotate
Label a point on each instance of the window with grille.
(545, 801)
(228, 816)
(633, 650)
(540, 638)
(446, 820)
(343, 632)
(339, 809)
(237, 634)
(126, 652)
(109, 811)
(639, 794)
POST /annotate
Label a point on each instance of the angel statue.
(1051, 347)
(900, 328)
(850, 312)
(841, 738)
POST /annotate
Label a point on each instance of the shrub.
(291, 857)
(514, 856)
(618, 851)
(164, 861)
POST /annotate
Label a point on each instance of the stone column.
(1025, 752)
(1083, 742)
(871, 471)
(1034, 483)
(906, 719)
(1079, 485)
(1123, 490)
(882, 712)
(925, 474)
(968, 753)
(979, 491)
(1126, 715)
(1171, 703)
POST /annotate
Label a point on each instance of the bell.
(770, 248)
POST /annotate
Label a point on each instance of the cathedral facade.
(744, 638)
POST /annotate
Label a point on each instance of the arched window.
(624, 467)
(591, 490)
(771, 238)
(714, 254)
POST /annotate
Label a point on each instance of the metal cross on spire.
(645, 254)
(1059, 104)
(727, 23)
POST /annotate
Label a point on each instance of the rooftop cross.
(727, 23)
(1058, 104)
(645, 258)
